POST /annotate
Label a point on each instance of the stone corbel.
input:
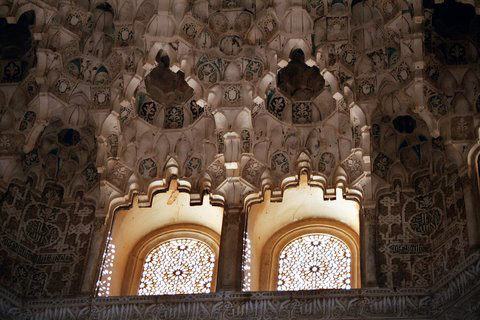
(332, 83)
(101, 157)
(232, 191)
(171, 169)
(232, 154)
(205, 183)
(427, 116)
(262, 87)
(340, 175)
(42, 65)
(366, 148)
(304, 164)
(267, 180)
(132, 87)
(38, 128)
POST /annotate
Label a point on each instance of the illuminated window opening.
(300, 210)
(314, 261)
(138, 229)
(246, 264)
(104, 282)
(178, 266)
(311, 254)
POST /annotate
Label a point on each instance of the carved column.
(368, 246)
(472, 213)
(368, 217)
(229, 276)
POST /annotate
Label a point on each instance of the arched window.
(178, 266)
(311, 254)
(278, 236)
(159, 246)
(178, 259)
(314, 261)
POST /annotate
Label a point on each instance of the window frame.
(136, 259)
(283, 237)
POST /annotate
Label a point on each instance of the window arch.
(314, 261)
(311, 254)
(144, 222)
(178, 259)
(178, 266)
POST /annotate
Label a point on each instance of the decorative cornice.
(457, 294)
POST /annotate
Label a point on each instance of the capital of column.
(233, 214)
(369, 215)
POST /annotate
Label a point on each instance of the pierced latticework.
(179, 266)
(315, 261)
(104, 283)
(246, 264)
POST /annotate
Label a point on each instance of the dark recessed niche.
(297, 55)
(354, 2)
(404, 124)
(298, 80)
(16, 39)
(166, 86)
(163, 60)
(105, 7)
(68, 137)
(452, 19)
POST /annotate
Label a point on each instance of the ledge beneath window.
(457, 296)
